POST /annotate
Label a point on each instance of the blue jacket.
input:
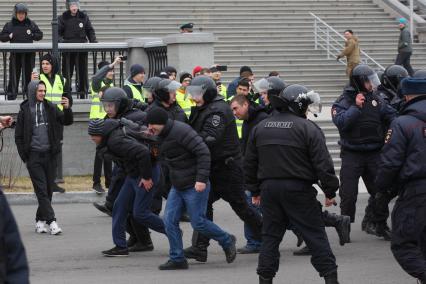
(232, 88)
(345, 114)
(13, 261)
(404, 154)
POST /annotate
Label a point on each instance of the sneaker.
(103, 208)
(97, 187)
(231, 252)
(57, 188)
(54, 228)
(248, 250)
(172, 265)
(116, 252)
(40, 227)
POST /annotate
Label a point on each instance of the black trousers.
(77, 60)
(292, 201)
(403, 59)
(97, 170)
(42, 172)
(409, 230)
(19, 62)
(227, 183)
(354, 166)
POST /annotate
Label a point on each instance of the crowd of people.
(187, 138)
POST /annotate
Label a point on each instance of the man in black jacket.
(13, 261)
(75, 26)
(136, 194)
(301, 158)
(188, 159)
(214, 122)
(38, 138)
(20, 30)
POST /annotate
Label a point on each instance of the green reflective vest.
(184, 103)
(96, 108)
(54, 93)
(136, 94)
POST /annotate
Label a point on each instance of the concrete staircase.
(267, 35)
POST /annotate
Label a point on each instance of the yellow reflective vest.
(184, 103)
(136, 94)
(96, 108)
(54, 93)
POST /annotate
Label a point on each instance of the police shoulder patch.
(388, 136)
(216, 120)
(334, 111)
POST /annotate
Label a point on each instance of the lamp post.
(55, 35)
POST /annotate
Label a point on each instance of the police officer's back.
(402, 162)
(285, 155)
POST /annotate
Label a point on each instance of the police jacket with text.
(361, 129)
(23, 32)
(286, 146)
(403, 156)
(75, 28)
(215, 123)
(130, 154)
(185, 153)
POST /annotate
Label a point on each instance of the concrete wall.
(78, 149)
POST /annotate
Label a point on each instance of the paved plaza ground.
(75, 256)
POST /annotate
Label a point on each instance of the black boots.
(104, 208)
(197, 253)
(171, 265)
(331, 278)
(265, 280)
(341, 223)
(303, 251)
(383, 231)
(231, 252)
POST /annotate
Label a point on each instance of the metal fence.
(12, 86)
(328, 39)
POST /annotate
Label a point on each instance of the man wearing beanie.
(402, 162)
(54, 93)
(133, 85)
(75, 26)
(141, 176)
(20, 30)
(188, 158)
(405, 49)
(245, 72)
(104, 77)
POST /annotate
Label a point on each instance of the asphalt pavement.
(75, 256)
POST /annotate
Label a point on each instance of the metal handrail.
(327, 37)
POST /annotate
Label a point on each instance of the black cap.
(47, 57)
(157, 116)
(183, 76)
(102, 64)
(245, 69)
(187, 26)
(136, 69)
(96, 127)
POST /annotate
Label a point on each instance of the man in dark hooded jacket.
(20, 30)
(37, 138)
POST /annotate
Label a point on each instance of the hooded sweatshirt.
(40, 138)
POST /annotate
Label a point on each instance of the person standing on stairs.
(351, 52)
(405, 49)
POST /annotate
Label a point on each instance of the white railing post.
(328, 43)
(316, 34)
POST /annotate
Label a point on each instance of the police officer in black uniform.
(268, 87)
(362, 118)
(20, 30)
(402, 162)
(284, 187)
(75, 26)
(421, 74)
(214, 121)
(391, 79)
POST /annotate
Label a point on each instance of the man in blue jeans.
(135, 196)
(188, 159)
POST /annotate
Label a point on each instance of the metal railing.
(328, 39)
(157, 57)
